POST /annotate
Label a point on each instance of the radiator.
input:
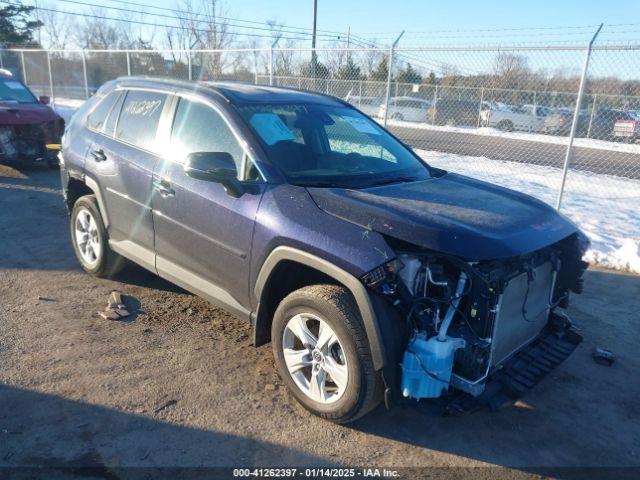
(512, 329)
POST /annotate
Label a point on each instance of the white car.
(367, 105)
(410, 109)
(528, 118)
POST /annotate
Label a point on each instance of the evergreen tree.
(381, 72)
(16, 26)
(350, 71)
(409, 75)
(319, 70)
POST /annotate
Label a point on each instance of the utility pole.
(314, 60)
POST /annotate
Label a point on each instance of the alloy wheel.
(87, 237)
(315, 358)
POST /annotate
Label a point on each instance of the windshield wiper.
(388, 181)
(322, 185)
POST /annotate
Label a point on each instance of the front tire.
(322, 353)
(91, 241)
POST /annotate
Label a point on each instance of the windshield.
(14, 91)
(331, 146)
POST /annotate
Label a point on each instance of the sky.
(426, 22)
(387, 18)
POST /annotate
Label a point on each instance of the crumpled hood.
(452, 214)
(25, 113)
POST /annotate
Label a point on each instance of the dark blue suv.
(374, 275)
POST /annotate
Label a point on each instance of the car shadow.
(59, 437)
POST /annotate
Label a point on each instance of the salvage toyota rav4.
(374, 275)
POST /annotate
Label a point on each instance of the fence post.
(50, 77)
(389, 72)
(593, 111)
(189, 66)
(128, 64)
(24, 67)
(433, 107)
(480, 108)
(576, 114)
(271, 66)
(84, 73)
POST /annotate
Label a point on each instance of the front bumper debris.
(524, 370)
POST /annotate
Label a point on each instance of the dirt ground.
(179, 384)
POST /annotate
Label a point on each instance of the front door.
(202, 234)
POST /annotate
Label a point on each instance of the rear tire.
(91, 240)
(317, 307)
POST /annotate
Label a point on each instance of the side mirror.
(218, 167)
(44, 99)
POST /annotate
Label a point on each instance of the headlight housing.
(385, 272)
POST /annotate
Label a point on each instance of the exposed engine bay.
(467, 320)
(22, 143)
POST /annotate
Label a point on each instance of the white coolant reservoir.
(427, 365)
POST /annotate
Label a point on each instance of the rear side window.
(110, 125)
(98, 116)
(139, 118)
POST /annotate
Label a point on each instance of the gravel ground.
(179, 384)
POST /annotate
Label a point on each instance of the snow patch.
(611, 219)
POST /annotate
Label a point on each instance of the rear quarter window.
(139, 118)
(98, 116)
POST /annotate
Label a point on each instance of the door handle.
(98, 155)
(164, 188)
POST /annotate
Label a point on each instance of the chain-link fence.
(512, 115)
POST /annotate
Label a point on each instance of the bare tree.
(203, 24)
(283, 59)
(511, 70)
(58, 29)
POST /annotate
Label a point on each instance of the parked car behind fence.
(528, 118)
(450, 111)
(627, 129)
(367, 105)
(409, 109)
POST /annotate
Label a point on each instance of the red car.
(27, 124)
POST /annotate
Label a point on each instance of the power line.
(199, 14)
(174, 17)
(139, 22)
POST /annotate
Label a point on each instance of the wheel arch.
(79, 187)
(274, 282)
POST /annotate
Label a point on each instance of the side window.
(139, 118)
(110, 125)
(199, 128)
(98, 116)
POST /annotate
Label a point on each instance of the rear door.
(122, 160)
(203, 235)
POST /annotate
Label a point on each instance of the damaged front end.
(25, 144)
(489, 328)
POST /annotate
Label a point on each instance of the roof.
(239, 92)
